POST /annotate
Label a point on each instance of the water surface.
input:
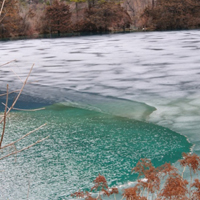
(109, 100)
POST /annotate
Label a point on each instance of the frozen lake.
(153, 77)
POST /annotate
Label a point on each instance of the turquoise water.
(82, 144)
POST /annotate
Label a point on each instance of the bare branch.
(1, 95)
(2, 5)
(19, 93)
(132, 9)
(12, 143)
(9, 93)
(4, 118)
(9, 61)
(32, 82)
(21, 79)
(25, 148)
(27, 110)
(17, 76)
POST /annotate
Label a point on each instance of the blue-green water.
(82, 144)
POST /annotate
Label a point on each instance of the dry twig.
(25, 148)
(11, 60)
(21, 79)
(28, 110)
(17, 76)
(2, 5)
(6, 112)
(8, 109)
(19, 93)
(4, 119)
(12, 143)
(9, 93)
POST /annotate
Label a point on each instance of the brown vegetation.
(172, 15)
(57, 18)
(175, 187)
(10, 20)
(101, 186)
(22, 18)
(103, 17)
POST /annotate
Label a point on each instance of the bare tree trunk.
(90, 3)
(76, 11)
(132, 9)
(2, 7)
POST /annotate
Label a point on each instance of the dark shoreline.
(82, 34)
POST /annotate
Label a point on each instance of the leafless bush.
(3, 120)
